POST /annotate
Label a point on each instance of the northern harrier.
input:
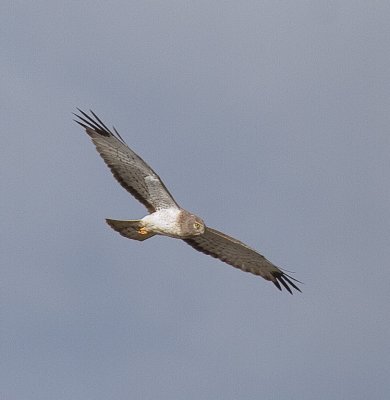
(165, 216)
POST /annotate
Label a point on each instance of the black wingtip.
(100, 121)
(96, 124)
(286, 281)
(80, 123)
(276, 283)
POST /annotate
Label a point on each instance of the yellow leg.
(143, 231)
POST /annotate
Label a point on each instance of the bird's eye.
(197, 225)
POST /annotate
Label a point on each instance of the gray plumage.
(166, 217)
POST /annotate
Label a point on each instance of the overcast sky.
(270, 120)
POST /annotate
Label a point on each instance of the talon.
(143, 231)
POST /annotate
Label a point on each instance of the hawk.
(165, 216)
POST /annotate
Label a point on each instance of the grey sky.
(257, 113)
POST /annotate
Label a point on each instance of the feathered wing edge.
(235, 253)
(96, 125)
(97, 130)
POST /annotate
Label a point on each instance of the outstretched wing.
(133, 173)
(239, 255)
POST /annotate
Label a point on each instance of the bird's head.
(198, 225)
(191, 225)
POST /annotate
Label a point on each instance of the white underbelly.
(164, 222)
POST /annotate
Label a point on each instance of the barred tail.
(130, 229)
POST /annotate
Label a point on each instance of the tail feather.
(129, 229)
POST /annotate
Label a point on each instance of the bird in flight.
(165, 216)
